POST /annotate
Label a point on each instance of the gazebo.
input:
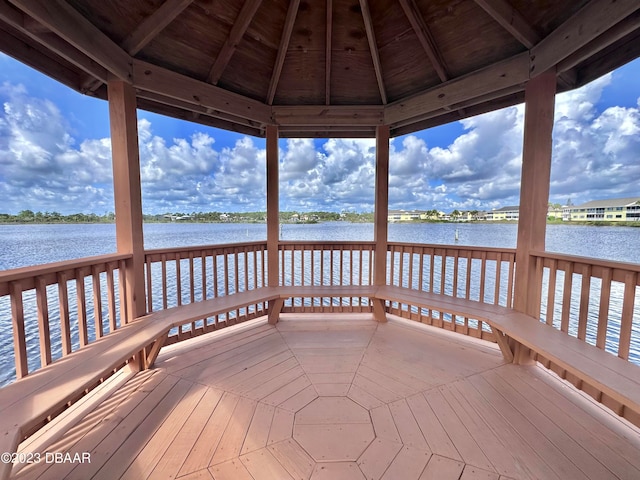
(331, 68)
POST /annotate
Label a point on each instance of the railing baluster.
(43, 321)
(512, 261)
(63, 301)
(603, 311)
(626, 320)
(178, 280)
(432, 267)
(122, 279)
(215, 282)
(192, 280)
(82, 308)
(585, 292)
(111, 297)
(421, 270)
(496, 295)
(97, 301)
(149, 285)
(165, 300)
(467, 288)
(483, 274)
(455, 273)
(401, 267)
(566, 297)
(236, 279)
(203, 275)
(17, 323)
(551, 296)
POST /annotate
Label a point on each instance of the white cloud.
(42, 167)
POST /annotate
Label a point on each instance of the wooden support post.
(534, 192)
(127, 192)
(381, 213)
(273, 227)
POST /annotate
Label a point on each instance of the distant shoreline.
(412, 222)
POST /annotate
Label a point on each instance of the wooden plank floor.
(343, 398)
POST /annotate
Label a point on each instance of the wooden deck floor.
(343, 399)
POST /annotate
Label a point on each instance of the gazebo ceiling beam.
(165, 82)
(592, 20)
(248, 11)
(327, 55)
(16, 19)
(323, 115)
(65, 21)
(511, 19)
(153, 25)
(193, 116)
(499, 76)
(373, 47)
(197, 109)
(282, 49)
(19, 49)
(615, 33)
(426, 39)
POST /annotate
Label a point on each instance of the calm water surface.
(23, 245)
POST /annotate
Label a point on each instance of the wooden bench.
(610, 380)
(27, 403)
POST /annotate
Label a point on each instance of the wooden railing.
(177, 276)
(326, 264)
(475, 273)
(59, 307)
(596, 301)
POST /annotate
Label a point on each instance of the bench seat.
(600, 373)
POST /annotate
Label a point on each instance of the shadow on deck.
(343, 398)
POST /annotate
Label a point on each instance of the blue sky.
(55, 156)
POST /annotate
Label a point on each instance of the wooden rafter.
(512, 20)
(175, 85)
(153, 24)
(426, 39)
(39, 61)
(323, 115)
(62, 19)
(240, 26)
(282, 49)
(327, 54)
(513, 71)
(615, 33)
(18, 20)
(588, 23)
(373, 47)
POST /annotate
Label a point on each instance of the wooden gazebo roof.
(321, 67)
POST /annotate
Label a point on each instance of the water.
(24, 245)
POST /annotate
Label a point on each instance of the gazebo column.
(127, 193)
(534, 193)
(273, 233)
(380, 232)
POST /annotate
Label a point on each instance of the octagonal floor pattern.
(342, 399)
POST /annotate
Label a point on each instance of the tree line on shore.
(29, 216)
